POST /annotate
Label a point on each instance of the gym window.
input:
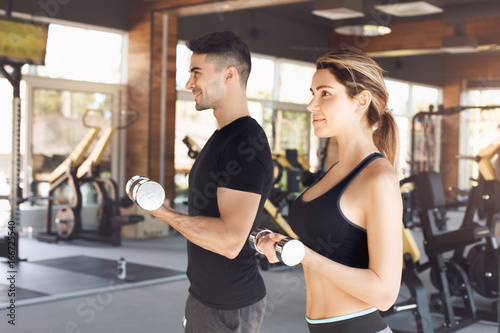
(405, 100)
(69, 48)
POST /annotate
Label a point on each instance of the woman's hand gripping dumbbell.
(147, 194)
(288, 251)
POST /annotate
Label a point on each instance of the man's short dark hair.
(224, 49)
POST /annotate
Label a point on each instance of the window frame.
(118, 93)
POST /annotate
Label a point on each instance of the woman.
(350, 220)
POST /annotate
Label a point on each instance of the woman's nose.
(312, 106)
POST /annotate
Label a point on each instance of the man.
(228, 185)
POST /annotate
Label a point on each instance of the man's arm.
(224, 235)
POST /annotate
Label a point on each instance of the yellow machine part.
(485, 165)
(303, 162)
(282, 160)
(278, 220)
(409, 245)
(301, 159)
(97, 152)
(76, 156)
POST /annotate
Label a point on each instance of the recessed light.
(338, 9)
(370, 30)
(405, 9)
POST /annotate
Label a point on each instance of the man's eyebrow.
(194, 69)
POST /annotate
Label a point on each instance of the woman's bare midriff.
(329, 300)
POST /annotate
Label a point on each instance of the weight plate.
(290, 251)
(149, 195)
(483, 273)
(65, 222)
(455, 276)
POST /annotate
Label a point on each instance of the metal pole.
(15, 167)
(16, 146)
(163, 107)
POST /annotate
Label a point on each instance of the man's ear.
(363, 100)
(230, 74)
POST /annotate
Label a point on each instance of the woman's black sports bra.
(321, 225)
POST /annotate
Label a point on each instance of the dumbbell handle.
(147, 194)
(289, 251)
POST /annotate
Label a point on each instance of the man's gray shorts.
(200, 318)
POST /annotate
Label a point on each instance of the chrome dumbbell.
(289, 251)
(147, 194)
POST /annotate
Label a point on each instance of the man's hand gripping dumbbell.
(147, 194)
(277, 247)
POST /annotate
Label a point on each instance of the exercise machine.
(75, 171)
(448, 275)
(424, 157)
(449, 269)
(481, 261)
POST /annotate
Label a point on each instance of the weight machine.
(77, 171)
(458, 277)
(423, 158)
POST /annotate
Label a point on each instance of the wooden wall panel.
(486, 30)
(450, 134)
(144, 84)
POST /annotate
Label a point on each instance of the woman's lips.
(317, 120)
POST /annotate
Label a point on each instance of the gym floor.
(156, 306)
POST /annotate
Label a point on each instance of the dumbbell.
(289, 251)
(149, 195)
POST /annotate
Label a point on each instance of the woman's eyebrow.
(321, 87)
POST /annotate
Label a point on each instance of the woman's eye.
(325, 93)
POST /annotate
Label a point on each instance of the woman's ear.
(363, 100)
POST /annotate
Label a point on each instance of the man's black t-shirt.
(237, 157)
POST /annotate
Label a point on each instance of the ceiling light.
(338, 9)
(405, 9)
(459, 44)
(370, 30)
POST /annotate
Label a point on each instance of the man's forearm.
(210, 233)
